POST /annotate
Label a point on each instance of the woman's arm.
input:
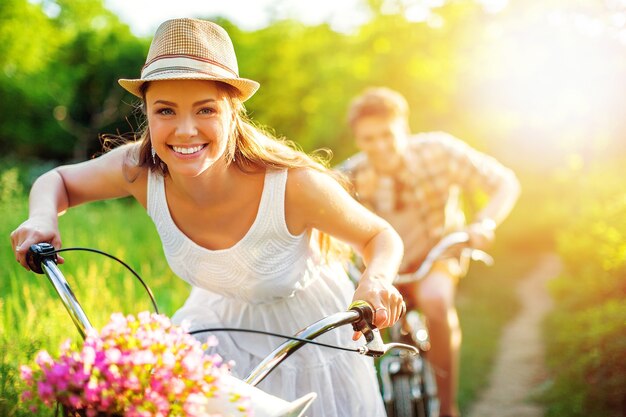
(315, 200)
(67, 186)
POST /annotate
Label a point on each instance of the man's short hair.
(378, 101)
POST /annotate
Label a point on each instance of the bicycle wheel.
(402, 397)
(430, 401)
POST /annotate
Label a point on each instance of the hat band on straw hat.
(185, 64)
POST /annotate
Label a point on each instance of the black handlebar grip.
(36, 255)
(367, 315)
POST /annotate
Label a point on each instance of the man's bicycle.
(407, 382)
(42, 259)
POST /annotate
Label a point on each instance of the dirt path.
(519, 366)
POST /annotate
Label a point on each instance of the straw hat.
(191, 49)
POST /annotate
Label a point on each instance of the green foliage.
(21, 21)
(587, 353)
(10, 187)
(308, 76)
(60, 71)
(305, 82)
(587, 343)
(460, 71)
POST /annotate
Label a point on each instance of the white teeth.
(189, 150)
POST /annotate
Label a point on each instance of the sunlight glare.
(558, 78)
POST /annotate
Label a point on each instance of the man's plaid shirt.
(421, 199)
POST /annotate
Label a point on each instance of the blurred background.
(539, 84)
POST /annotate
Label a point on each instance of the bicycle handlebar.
(447, 242)
(360, 314)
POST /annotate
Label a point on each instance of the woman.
(239, 214)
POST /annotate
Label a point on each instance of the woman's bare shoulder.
(310, 189)
(305, 180)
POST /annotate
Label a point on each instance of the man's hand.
(481, 233)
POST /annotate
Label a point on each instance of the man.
(415, 182)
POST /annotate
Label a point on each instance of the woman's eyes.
(206, 110)
(166, 111)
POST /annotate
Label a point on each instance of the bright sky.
(143, 16)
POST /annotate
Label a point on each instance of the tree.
(63, 87)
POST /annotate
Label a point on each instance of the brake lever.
(374, 346)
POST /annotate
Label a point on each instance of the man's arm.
(478, 171)
(500, 204)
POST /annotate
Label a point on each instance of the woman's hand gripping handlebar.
(374, 345)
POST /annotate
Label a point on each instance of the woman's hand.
(32, 231)
(385, 299)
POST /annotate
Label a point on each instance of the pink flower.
(113, 355)
(78, 378)
(92, 391)
(26, 373)
(75, 401)
(141, 366)
(176, 386)
(27, 395)
(44, 359)
(168, 359)
(45, 390)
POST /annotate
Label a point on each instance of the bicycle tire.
(430, 401)
(402, 397)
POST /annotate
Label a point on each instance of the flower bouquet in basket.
(144, 366)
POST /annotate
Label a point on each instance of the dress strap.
(154, 197)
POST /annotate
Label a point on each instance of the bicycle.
(407, 382)
(42, 259)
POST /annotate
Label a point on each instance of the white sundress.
(274, 281)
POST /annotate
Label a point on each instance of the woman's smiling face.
(190, 122)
